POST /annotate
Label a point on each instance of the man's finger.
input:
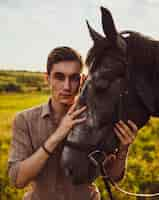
(78, 112)
(72, 108)
(125, 127)
(124, 140)
(133, 125)
(121, 138)
(126, 132)
(80, 120)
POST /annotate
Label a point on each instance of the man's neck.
(60, 109)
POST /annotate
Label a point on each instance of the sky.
(30, 29)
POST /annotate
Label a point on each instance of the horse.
(123, 76)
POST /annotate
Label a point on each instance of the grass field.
(12, 103)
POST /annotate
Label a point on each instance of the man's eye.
(75, 78)
(59, 76)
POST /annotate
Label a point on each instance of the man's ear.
(46, 78)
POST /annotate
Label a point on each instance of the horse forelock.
(96, 52)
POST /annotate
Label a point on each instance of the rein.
(107, 180)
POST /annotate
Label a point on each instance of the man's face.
(64, 81)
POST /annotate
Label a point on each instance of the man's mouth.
(65, 95)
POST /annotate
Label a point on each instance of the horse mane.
(142, 51)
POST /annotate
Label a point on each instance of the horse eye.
(100, 82)
(102, 85)
(75, 78)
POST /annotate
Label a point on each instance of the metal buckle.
(96, 157)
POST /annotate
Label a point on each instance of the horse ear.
(108, 25)
(110, 29)
(96, 37)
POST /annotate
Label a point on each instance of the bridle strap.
(106, 181)
(82, 148)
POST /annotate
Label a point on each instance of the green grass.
(12, 103)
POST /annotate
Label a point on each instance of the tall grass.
(12, 103)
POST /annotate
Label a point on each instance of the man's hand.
(115, 163)
(70, 120)
(126, 132)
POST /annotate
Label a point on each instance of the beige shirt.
(30, 129)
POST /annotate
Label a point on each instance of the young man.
(38, 135)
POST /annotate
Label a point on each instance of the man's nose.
(67, 84)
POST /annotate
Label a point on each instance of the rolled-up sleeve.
(21, 146)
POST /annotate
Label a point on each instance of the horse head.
(115, 89)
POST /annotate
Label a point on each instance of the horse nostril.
(69, 171)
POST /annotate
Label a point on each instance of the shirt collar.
(47, 109)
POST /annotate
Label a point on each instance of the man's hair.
(60, 54)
